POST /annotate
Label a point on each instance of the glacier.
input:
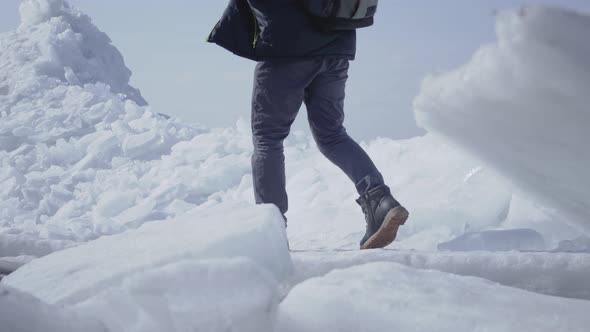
(130, 220)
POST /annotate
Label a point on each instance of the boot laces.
(365, 203)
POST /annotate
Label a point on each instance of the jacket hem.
(258, 58)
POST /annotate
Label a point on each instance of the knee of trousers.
(268, 143)
(327, 139)
(269, 135)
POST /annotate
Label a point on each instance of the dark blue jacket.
(278, 29)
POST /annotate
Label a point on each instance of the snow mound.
(79, 156)
(24, 313)
(522, 105)
(224, 231)
(63, 46)
(391, 297)
(558, 274)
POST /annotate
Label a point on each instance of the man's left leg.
(277, 96)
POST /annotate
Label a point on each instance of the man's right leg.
(324, 98)
(278, 94)
(325, 106)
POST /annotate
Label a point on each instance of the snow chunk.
(37, 11)
(391, 297)
(18, 243)
(502, 240)
(11, 264)
(22, 312)
(210, 295)
(522, 105)
(112, 203)
(579, 244)
(213, 232)
(136, 145)
(219, 268)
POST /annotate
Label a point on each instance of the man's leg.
(278, 95)
(324, 99)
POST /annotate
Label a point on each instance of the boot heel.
(388, 230)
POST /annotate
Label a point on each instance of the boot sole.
(388, 231)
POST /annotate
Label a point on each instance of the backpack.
(334, 15)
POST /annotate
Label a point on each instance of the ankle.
(368, 183)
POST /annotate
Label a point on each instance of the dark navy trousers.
(280, 88)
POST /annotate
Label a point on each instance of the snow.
(217, 269)
(208, 295)
(391, 297)
(35, 12)
(65, 146)
(143, 222)
(66, 46)
(521, 104)
(222, 231)
(11, 264)
(500, 240)
(22, 312)
(579, 244)
(81, 161)
(557, 274)
(460, 196)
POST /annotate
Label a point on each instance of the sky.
(163, 43)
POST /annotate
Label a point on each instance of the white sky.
(163, 43)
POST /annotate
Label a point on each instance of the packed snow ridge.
(146, 223)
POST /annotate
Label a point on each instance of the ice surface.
(391, 297)
(21, 312)
(558, 274)
(522, 105)
(222, 268)
(501, 240)
(210, 295)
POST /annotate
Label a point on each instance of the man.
(300, 63)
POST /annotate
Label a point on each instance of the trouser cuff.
(369, 182)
